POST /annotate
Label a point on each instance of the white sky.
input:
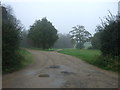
(64, 14)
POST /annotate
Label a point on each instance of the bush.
(23, 58)
(10, 41)
(108, 62)
(110, 37)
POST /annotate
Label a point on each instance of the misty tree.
(64, 41)
(95, 40)
(43, 34)
(79, 36)
(25, 42)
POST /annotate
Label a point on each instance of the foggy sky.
(63, 15)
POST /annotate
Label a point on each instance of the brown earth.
(55, 70)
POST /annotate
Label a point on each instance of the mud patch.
(54, 66)
(67, 72)
(44, 75)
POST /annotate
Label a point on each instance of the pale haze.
(63, 14)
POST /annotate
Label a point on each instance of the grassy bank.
(27, 57)
(23, 59)
(86, 55)
(94, 57)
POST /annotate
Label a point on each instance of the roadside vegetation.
(84, 54)
(13, 58)
(107, 39)
(24, 57)
(93, 57)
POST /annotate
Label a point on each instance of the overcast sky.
(64, 14)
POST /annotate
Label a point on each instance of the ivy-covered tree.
(79, 36)
(43, 34)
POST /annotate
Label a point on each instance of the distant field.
(86, 55)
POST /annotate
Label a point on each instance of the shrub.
(10, 41)
(108, 62)
(110, 36)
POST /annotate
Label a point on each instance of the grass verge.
(86, 55)
(27, 57)
(94, 57)
(23, 58)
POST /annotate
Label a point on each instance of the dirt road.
(54, 70)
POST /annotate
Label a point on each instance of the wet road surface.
(55, 70)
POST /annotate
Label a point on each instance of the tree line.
(39, 37)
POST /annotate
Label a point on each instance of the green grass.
(86, 55)
(27, 57)
(23, 57)
(94, 57)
